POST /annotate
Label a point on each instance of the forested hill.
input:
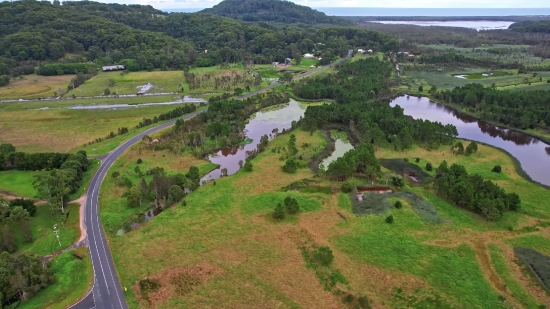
(542, 26)
(142, 38)
(273, 11)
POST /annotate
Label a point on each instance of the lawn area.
(34, 86)
(227, 227)
(18, 183)
(74, 278)
(60, 130)
(44, 240)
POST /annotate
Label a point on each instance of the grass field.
(257, 262)
(34, 86)
(18, 183)
(74, 278)
(62, 130)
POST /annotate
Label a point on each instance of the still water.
(340, 148)
(472, 24)
(262, 123)
(532, 153)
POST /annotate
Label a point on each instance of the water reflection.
(262, 123)
(532, 153)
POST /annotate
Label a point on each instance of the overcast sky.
(175, 4)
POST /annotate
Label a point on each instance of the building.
(308, 56)
(361, 51)
(112, 68)
(369, 51)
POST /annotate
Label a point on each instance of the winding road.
(107, 293)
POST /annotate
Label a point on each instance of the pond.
(341, 146)
(260, 124)
(532, 153)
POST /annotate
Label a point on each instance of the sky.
(183, 4)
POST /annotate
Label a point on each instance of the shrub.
(363, 302)
(139, 161)
(406, 159)
(291, 205)
(389, 219)
(429, 167)
(497, 169)
(398, 181)
(417, 160)
(348, 299)
(420, 88)
(398, 204)
(279, 212)
(290, 166)
(323, 256)
(347, 187)
(248, 165)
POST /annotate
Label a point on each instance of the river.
(263, 122)
(532, 153)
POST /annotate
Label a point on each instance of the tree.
(238, 91)
(175, 194)
(291, 205)
(54, 186)
(297, 58)
(398, 181)
(347, 187)
(323, 256)
(292, 145)
(286, 78)
(398, 204)
(290, 166)
(389, 219)
(134, 196)
(279, 212)
(497, 169)
(248, 165)
(8, 241)
(139, 161)
(471, 148)
(429, 167)
(420, 88)
(106, 91)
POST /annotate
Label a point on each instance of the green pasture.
(18, 183)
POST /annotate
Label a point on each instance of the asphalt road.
(107, 292)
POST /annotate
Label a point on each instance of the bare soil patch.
(153, 291)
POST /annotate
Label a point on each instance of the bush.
(291, 205)
(348, 299)
(398, 181)
(279, 212)
(347, 187)
(429, 167)
(389, 219)
(323, 255)
(290, 166)
(417, 160)
(363, 302)
(420, 88)
(398, 204)
(497, 169)
(139, 161)
(248, 165)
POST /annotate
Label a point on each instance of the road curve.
(107, 292)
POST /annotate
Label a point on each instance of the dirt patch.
(153, 291)
(486, 266)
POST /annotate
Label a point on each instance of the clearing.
(34, 86)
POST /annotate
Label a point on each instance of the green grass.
(18, 183)
(451, 271)
(504, 271)
(74, 277)
(44, 241)
(268, 201)
(537, 242)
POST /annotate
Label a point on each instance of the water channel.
(532, 153)
(263, 122)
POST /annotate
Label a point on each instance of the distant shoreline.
(512, 14)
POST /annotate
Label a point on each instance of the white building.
(308, 56)
(112, 68)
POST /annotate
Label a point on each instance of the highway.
(107, 292)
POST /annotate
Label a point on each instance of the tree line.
(473, 193)
(520, 109)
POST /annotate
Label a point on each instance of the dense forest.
(542, 26)
(358, 85)
(472, 192)
(520, 109)
(33, 32)
(273, 11)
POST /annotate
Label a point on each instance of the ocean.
(415, 11)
